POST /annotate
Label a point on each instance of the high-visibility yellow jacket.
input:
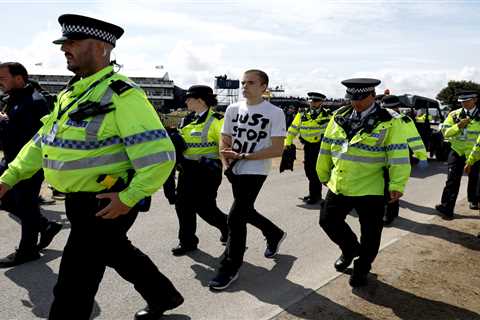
(414, 140)
(310, 125)
(355, 167)
(130, 136)
(202, 136)
(474, 156)
(461, 140)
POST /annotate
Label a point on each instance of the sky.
(304, 45)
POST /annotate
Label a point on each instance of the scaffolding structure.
(227, 90)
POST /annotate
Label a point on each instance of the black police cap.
(316, 96)
(199, 91)
(77, 27)
(391, 101)
(465, 95)
(360, 88)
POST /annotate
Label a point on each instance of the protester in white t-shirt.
(253, 133)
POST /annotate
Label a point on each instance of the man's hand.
(3, 189)
(463, 123)
(229, 154)
(394, 196)
(114, 209)
(467, 168)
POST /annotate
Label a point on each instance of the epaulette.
(406, 119)
(120, 86)
(217, 115)
(385, 114)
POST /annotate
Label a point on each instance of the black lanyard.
(74, 101)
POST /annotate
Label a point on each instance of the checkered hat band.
(360, 90)
(96, 33)
(467, 96)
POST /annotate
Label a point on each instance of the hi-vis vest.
(414, 140)
(202, 136)
(73, 154)
(355, 167)
(461, 140)
(310, 128)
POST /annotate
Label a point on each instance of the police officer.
(310, 126)
(415, 145)
(461, 129)
(200, 170)
(105, 147)
(24, 106)
(360, 140)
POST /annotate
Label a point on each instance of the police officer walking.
(416, 146)
(105, 147)
(461, 129)
(200, 170)
(310, 126)
(360, 140)
(19, 122)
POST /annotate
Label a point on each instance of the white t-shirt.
(251, 128)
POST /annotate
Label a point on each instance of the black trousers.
(311, 151)
(95, 243)
(370, 211)
(197, 194)
(391, 209)
(245, 191)
(22, 202)
(456, 163)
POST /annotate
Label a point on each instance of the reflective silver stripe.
(37, 140)
(417, 148)
(381, 137)
(473, 132)
(93, 126)
(85, 163)
(414, 139)
(293, 127)
(327, 152)
(196, 134)
(205, 130)
(316, 134)
(399, 161)
(198, 156)
(155, 158)
(345, 156)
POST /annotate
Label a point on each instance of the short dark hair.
(261, 74)
(16, 69)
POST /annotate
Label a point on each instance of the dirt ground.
(432, 273)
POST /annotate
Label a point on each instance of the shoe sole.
(278, 246)
(217, 288)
